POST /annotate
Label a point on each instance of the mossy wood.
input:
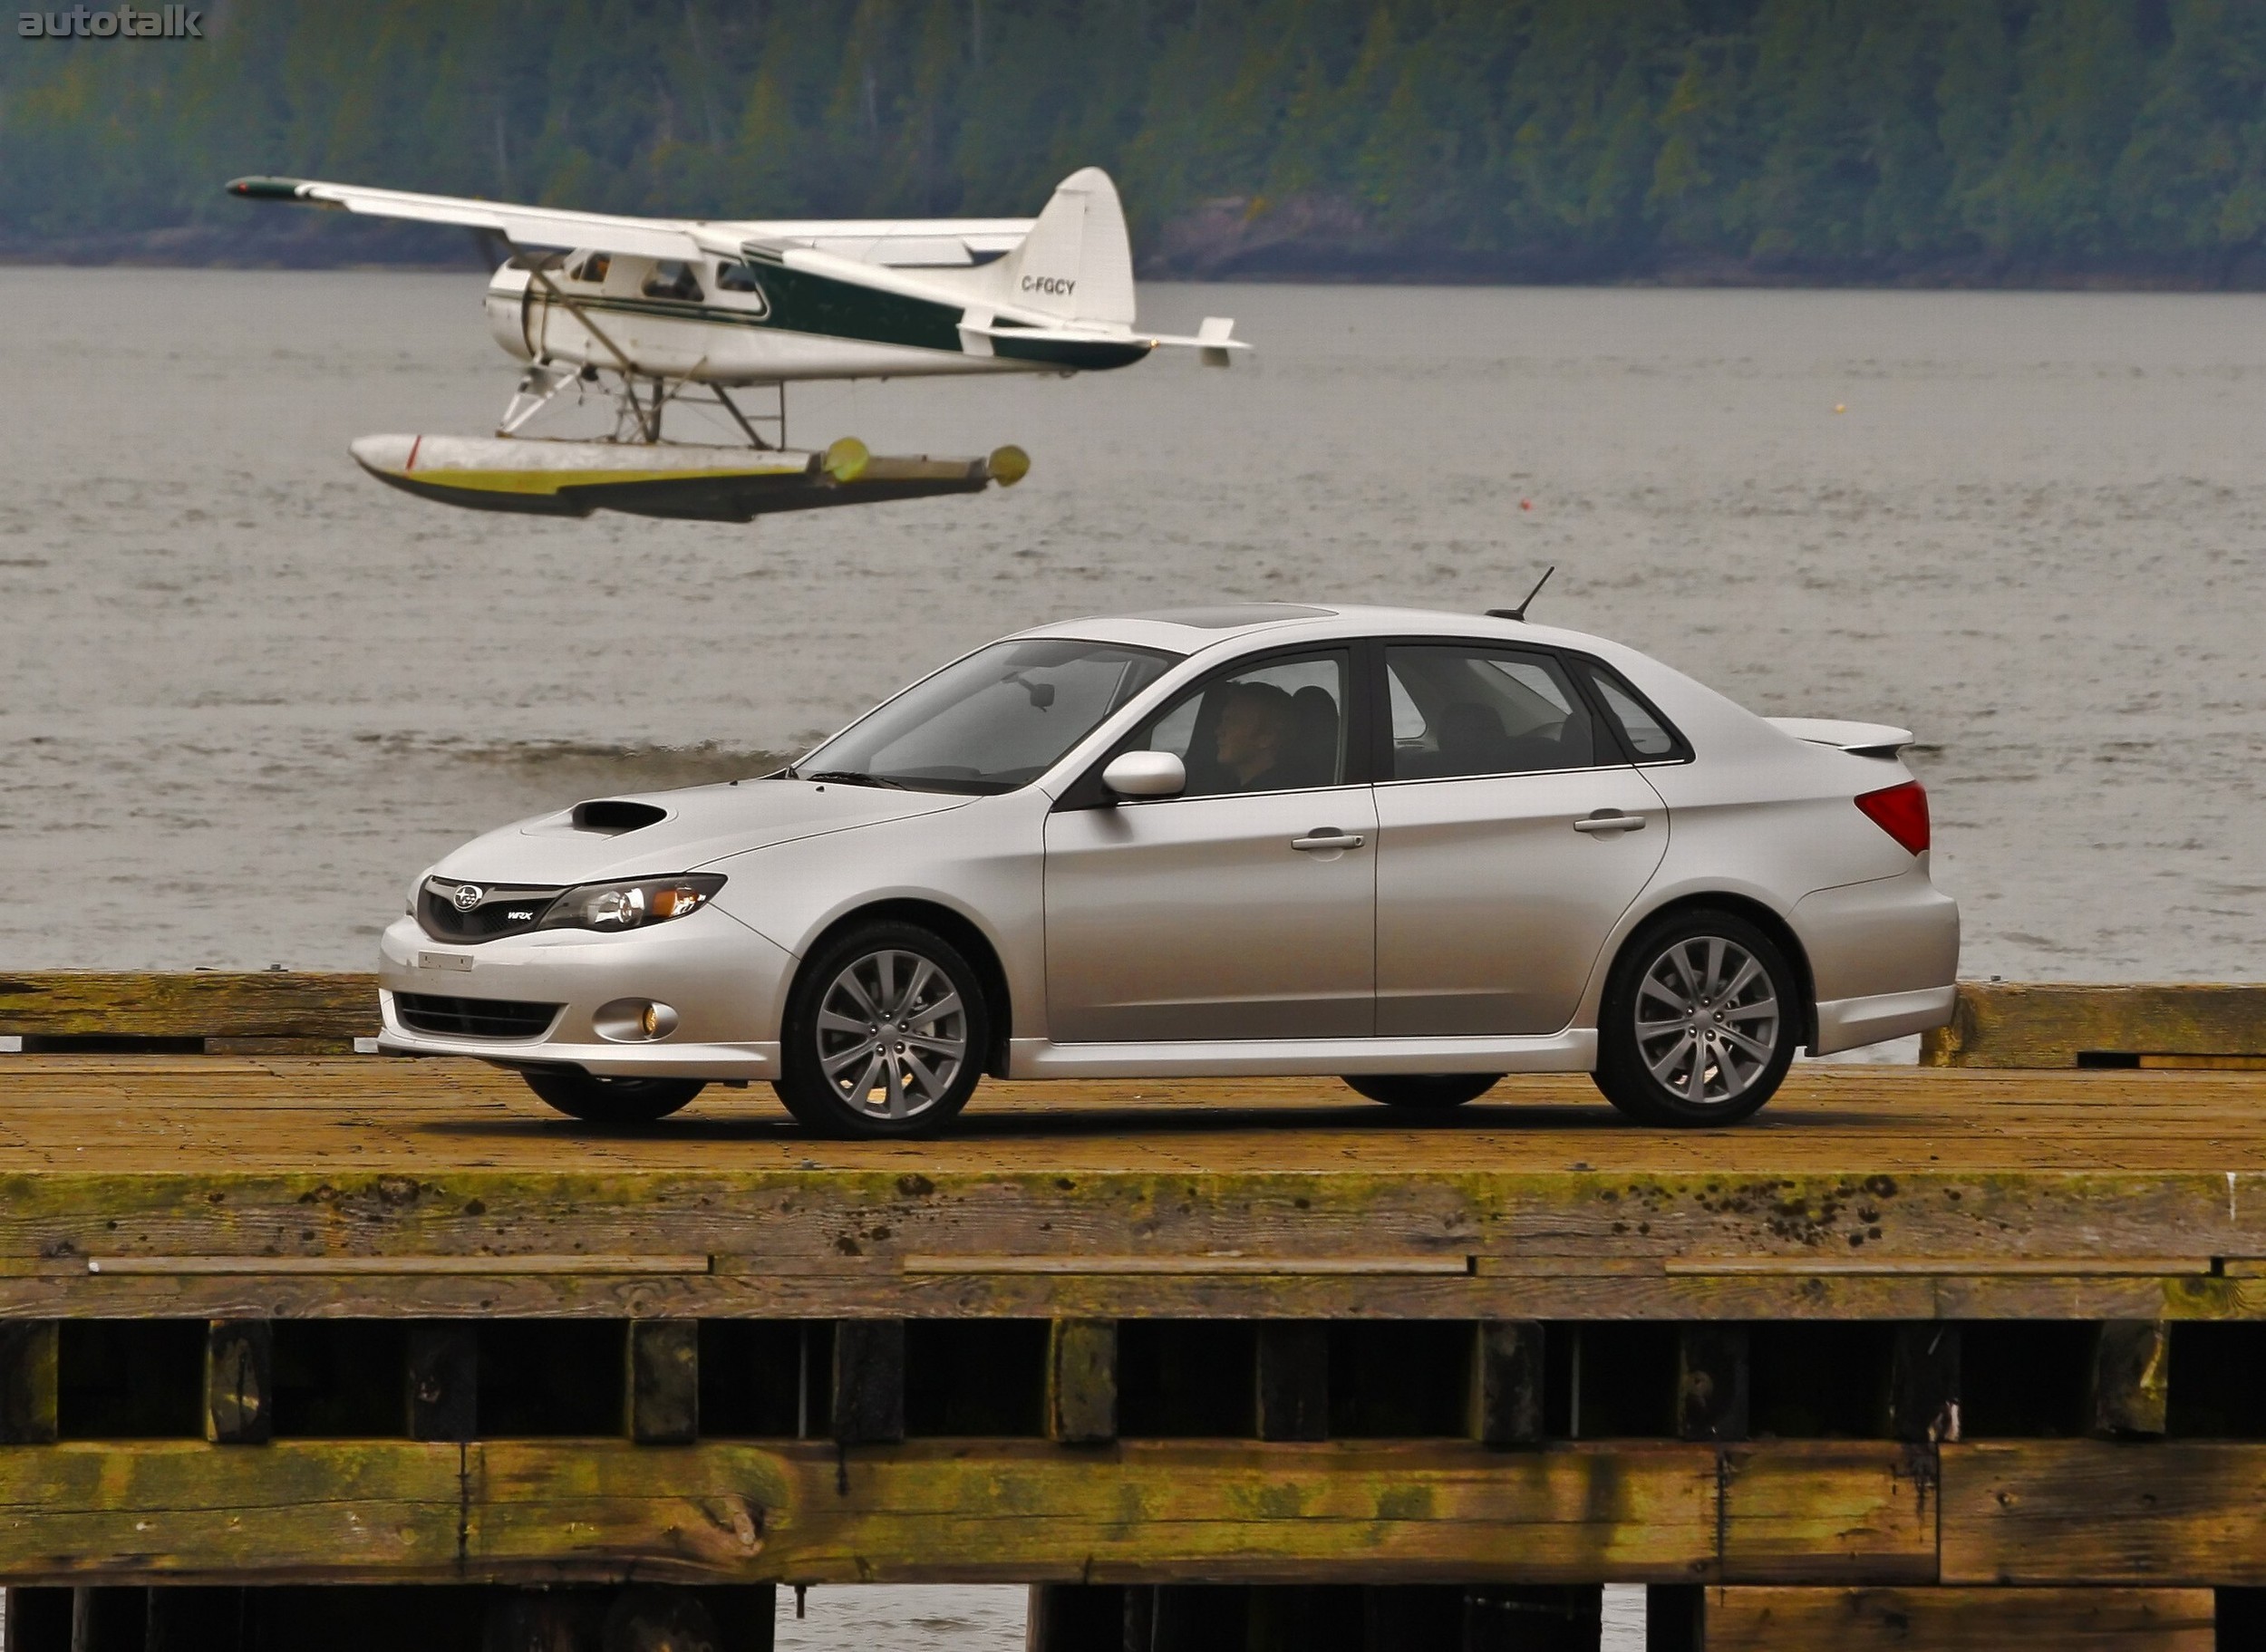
(2059, 1024)
(1783, 1619)
(213, 1004)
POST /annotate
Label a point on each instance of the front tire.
(1422, 1092)
(611, 1101)
(884, 1036)
(1700, 1021)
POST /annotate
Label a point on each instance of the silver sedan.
(1416, 850)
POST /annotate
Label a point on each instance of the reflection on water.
(246, 693)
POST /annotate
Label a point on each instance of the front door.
(1245, 907)
(1511, 838)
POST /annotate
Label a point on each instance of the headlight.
(631, 906)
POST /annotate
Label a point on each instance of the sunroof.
(1228, 618)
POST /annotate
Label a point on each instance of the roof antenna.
(1519, 613)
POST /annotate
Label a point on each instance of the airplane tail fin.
(1076, 262)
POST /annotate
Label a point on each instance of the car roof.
(1190, 631)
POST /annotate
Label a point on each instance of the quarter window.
(1279, 726)
(738, 278)
(1462, 711)
(1647, 736)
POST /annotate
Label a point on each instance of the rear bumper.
(1844, 1023)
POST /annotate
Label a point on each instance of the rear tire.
(1423, 1092)
(885, 1034)
(1700, 1021)
(611, 1101)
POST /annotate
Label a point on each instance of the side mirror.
(1146, 774)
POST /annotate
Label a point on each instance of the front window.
(1278, 726)
(995, 721)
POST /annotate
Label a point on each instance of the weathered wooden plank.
(1818, 1511)
(239, 1382)
(2040, 1512)
(28, 1370)
(2130, 1387)
(1082, 1397)
(2051, 1024)
(661, 1388)
(371, 1511)
(1507, 1382)
(1959, 1619)
(1004, 1510)
(205, 1003)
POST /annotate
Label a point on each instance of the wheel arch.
(1763, 918)
(954, 926)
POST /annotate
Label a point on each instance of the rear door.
(1512, 836)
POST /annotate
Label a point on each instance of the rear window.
(1648, 733)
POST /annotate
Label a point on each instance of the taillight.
(1900, 811)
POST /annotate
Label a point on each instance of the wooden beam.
(1959, 1619)
(1082, 1381)
(2050, 1512)
(1712, 1382)
(28, 1350)
(1924, 1397)
(1507, 1383)
(2130, 1389)
(1292, 1377)
(443, 1389)
(661, 1388)
(2041, 1024)
(945, 1511)
(868, 1382)
(239, 1382)
(204, 1003)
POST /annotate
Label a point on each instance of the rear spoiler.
(1862, 739)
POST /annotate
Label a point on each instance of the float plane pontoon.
(655, 312)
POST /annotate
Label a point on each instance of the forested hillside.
(1991, 141)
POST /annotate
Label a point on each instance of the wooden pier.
(1962, 1356)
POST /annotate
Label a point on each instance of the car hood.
(654, 833)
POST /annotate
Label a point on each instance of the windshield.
(996, 721)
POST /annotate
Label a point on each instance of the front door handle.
(1328, 838)
(1610, 820)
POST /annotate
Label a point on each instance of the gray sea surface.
(246, 693)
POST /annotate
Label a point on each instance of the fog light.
(629, 1021)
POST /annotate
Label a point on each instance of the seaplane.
(656, 314)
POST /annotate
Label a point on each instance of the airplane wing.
(898, 243)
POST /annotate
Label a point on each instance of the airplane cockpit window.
(674, 278)
(592, 269)
(737, 278)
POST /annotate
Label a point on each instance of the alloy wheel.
(893, 1034)
(1707, 1020)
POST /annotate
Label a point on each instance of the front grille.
(474, 1018)
(500, 909)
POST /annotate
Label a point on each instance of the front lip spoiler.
(661, 1059)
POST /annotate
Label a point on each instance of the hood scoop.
(612, 817)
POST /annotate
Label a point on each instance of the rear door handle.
(1615, 821)
(1328, 838)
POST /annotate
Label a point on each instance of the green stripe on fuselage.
(800, 301)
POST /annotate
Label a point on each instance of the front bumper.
(725, 982)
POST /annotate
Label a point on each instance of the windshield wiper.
(851, 776)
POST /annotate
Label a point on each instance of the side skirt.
(1574, 1051)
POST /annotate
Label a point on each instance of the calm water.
(246, 693)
